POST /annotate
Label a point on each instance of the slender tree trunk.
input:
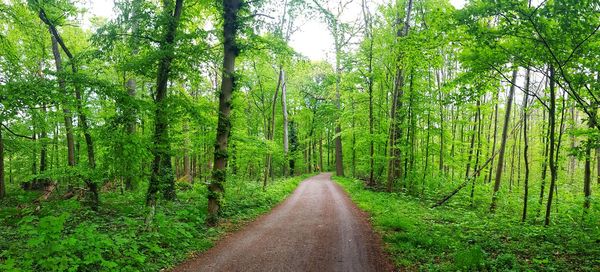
(476, 135)
(553, 166)
(526, 147)
(369, 80)
(230, 51)
(286, 155)
(320, 154)
(2, 184)
(68, 119)
(441, 104)
(187, 164)
(495, 135)
(131, 91)
(271, 130)
(587, 179)
(82, 121)
(395, 130)
(503, 140)
(598, 165)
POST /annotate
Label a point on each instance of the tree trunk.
(2, 185)
(553, 167)
(598, 165)
(230, 51)
(503, 140)
(476, 135)
(130, 86)
(162, 170)
(82, 122)
(526, 146)
(369, 79)
(187, 165)
(395, 131)
(271, 130)
(441, 104)
(286, 155)
(68, 119)
(489, 177)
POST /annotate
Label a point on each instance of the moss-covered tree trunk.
(162, 176)
(230, 52)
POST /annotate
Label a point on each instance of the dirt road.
(317, 228)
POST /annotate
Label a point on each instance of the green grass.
(457, 238)
(66, 236)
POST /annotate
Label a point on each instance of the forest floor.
(318, 228)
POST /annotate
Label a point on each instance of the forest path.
(317, 228)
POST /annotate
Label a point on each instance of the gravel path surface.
(317, 228)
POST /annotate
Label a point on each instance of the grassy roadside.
(66, 236)
(459, 239)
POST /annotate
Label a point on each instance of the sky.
(312, 40)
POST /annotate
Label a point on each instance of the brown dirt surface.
(317, 228)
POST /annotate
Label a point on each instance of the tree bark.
(503, 140)
(230, 52)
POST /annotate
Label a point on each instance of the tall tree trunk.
(162, 176)
(598, 165)
(494, 136)
(2, 185)
(553, 166)
(503, 140)
(353, 124)
(131, 91)
(526, 146)
(339, 158)
(395, 130)
(230, 51)
(67, 116)
(82, 118)
(587, 179)
(286, 156)
(271, 130)
(441, 104)
(369, 79)
(477, 153)
(320, 153)
(187, 164)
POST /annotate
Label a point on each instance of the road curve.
(317, 228)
